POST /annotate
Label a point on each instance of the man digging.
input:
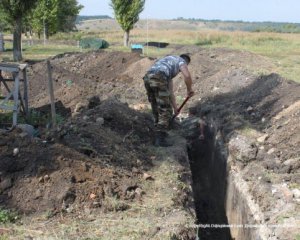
(159, 86)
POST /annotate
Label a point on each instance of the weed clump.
(7, 216)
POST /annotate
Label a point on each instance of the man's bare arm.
(187, 79)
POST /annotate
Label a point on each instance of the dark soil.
(100, 149)
(82, 157)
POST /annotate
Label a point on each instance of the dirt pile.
(102, 151)
(96, 171)
(79, 76)
(98, 154)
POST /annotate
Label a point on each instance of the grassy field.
(282, 49)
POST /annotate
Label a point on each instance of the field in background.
(283, 49)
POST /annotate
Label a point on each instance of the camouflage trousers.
(160, 98)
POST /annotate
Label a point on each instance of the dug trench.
(224, 209)
(234, 187)
(208, 168)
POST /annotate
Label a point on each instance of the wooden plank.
(9, 69)
(22, 66)
(16, 100)
(22, 103)
(8, 97)
(15, 92)
(12, 67)
(4, 107)
(6, 86)
(25, 92)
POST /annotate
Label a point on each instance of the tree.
(52, 16)
(15, 12)
(44, 17)
(3, 21)
(67, 14)
(127, 14)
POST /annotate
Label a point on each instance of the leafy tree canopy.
(3, 21)
(15, 9)
(56, 15)
(127, 12)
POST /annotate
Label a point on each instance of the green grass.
(294, 186)
(35, 118)
(39, 52)
(282, 49)
(7, 216)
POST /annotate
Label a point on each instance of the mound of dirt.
(78, 76)
(100, 153)
(101, 149)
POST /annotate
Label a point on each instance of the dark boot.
(160, 140)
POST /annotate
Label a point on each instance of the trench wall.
(220, 194)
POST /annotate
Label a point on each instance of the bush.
(93, 43)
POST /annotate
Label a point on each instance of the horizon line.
(196, 19)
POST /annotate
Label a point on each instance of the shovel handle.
(181, 106)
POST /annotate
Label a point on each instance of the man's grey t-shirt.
(169, 65)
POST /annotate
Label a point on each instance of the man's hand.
(190, 93)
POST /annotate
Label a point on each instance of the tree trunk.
(44, 26)
(126, 38)
(17, 41)
(47, 30)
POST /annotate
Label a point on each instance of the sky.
(245, 10)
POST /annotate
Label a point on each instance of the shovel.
(181, 106)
